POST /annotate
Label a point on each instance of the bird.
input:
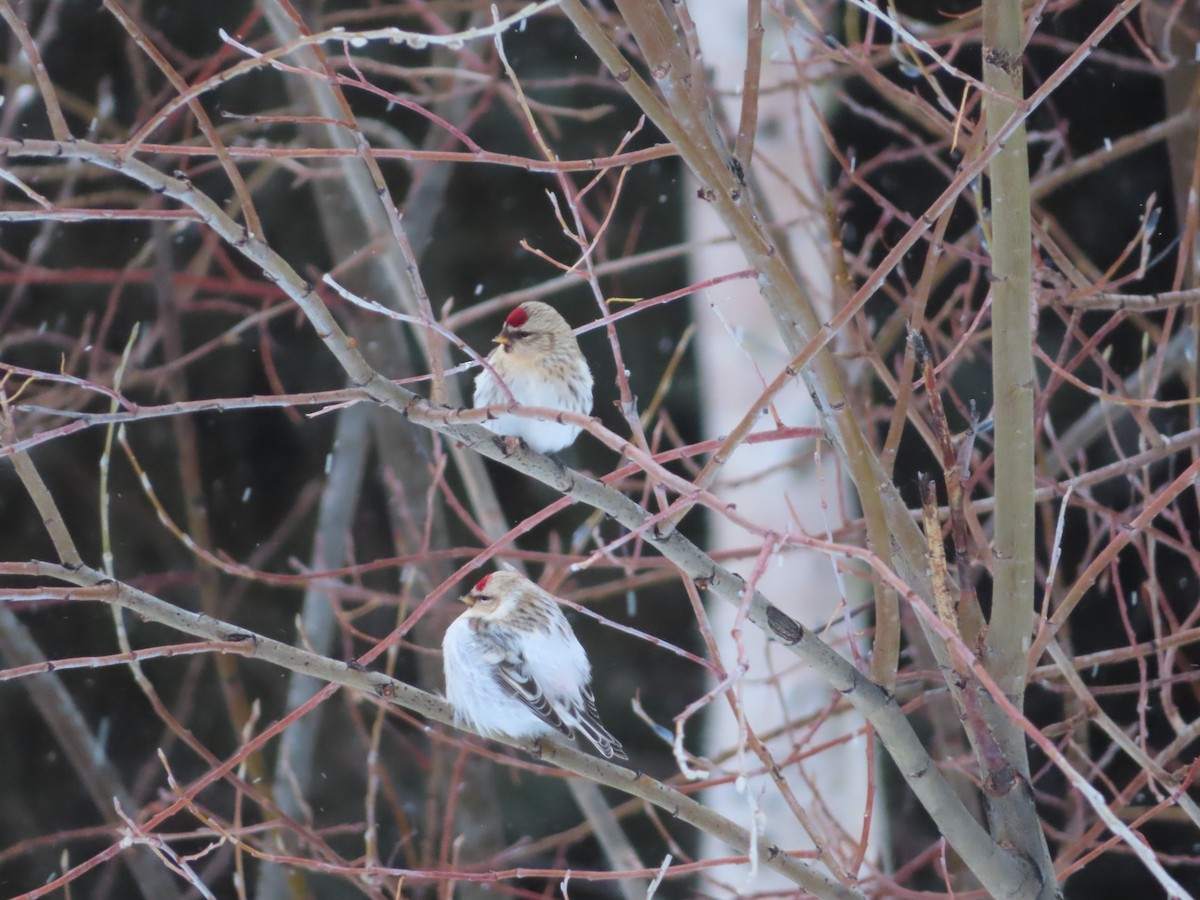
(539, 360)
(515, 668)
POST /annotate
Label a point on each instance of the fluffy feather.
(514, 666)
(539, 362)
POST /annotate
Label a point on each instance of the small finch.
(541, 363)
(514, 666)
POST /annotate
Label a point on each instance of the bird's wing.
(589, 724)
(513, 676)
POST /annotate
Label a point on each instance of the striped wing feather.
(514, 679)
(589, 724)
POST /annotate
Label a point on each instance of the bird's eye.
(517, 334)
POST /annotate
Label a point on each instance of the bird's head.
(496, 595)
(533, 328)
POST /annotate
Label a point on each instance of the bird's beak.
(502, 339)
(468, 599)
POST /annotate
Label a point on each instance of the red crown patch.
(481, 583)
(517, 318)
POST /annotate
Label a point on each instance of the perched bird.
(514, 666)
(541, 363)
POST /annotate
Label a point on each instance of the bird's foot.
(509, 444)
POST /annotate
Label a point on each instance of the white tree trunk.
(830, 785)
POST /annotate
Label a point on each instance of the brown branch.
(395, 692)
(1005, 874)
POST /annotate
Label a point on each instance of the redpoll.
(541, 363)
(515, 668)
